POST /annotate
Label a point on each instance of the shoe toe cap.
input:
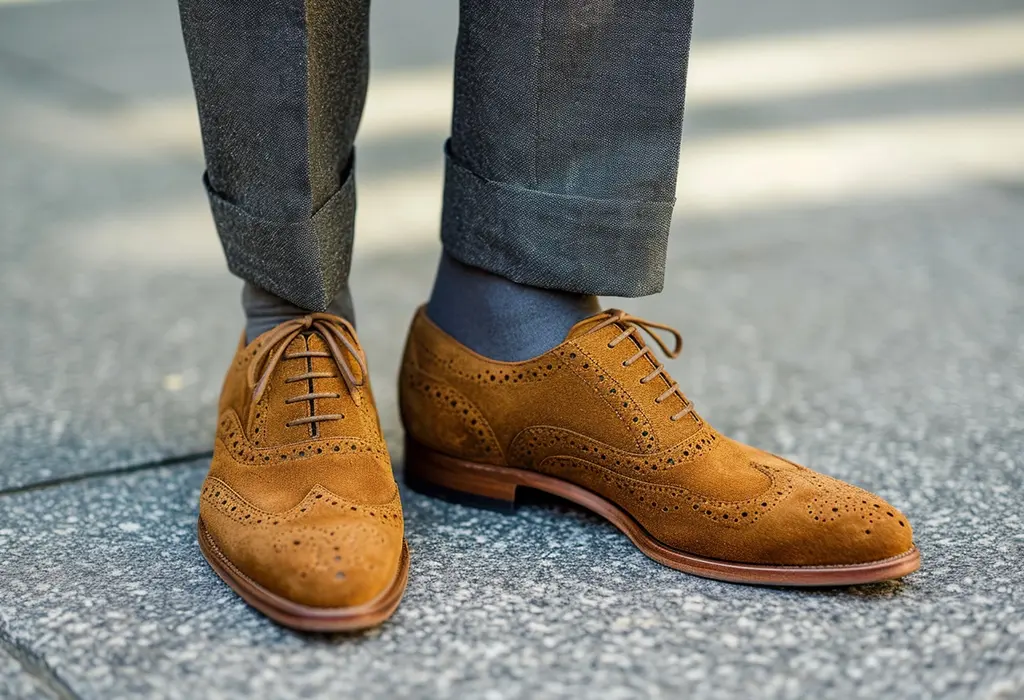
(826, 522)
(344, 566)
(329, 558)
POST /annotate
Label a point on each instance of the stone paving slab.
(879, 339)
(104, 580)
(915, 394)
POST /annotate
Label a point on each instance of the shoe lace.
(333, 330)
(633, 325)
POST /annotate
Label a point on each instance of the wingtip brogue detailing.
(834, 500)
(605, 426)
(650, 502)
(300, 512)
(537, 443)
(314, 555)
(454, 421)
(318, 501)
(242, 450)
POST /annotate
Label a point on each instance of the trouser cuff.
(305, 262)
(576, 244)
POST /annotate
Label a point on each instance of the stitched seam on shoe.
(759, 498)
(489, 438)
(528, 368)
(214, 485)
(637, 405)
(539, 431)
(752, 503)
(578, 371)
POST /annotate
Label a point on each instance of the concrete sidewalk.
(847, 268)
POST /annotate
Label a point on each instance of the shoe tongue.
(316, 343)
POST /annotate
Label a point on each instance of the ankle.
(264, 310)
(499, 318)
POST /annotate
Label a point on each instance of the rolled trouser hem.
(304, 262)
(576, 244)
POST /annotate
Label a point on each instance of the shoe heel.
(457, 481)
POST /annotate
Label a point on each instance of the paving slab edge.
(35, 667)
(101, 473)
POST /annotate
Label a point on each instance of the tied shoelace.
(335, 332)
(633, 324)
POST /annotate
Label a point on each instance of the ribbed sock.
(501, 319)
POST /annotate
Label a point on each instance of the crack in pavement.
(118, 471)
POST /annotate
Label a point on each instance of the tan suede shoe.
(300, 511)
(598, 421)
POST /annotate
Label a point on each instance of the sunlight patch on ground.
(404, 104)
(748, 71)
(814, 165)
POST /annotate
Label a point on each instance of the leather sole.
(304, 617)
(481, 485)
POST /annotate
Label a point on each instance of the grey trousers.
(561, 165)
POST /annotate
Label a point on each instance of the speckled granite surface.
(543, 604)
(879, 340)
(916, 394)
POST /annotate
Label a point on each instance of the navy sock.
(501, 319)
(264, 310)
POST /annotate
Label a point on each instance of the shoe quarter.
(600, 367)
(509, 398)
